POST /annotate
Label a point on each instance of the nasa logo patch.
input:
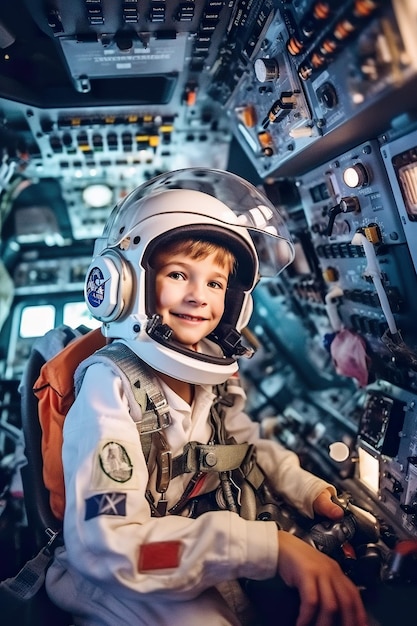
(95, 287)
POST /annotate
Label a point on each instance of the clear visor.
(246, 209)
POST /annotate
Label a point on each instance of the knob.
(266, 70)
(327, 95)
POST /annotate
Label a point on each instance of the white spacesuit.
(121, 564)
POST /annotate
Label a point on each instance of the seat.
(42, 523)
(40, 518)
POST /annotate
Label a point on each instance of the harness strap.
(199, 457)
(234, 463)
(154, 406)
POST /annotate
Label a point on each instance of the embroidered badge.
(95, 287)
(160, 555)
(115, 462)
(105, 504)
(112, 464)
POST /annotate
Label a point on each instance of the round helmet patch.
(95, 287)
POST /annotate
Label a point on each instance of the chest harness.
(242, 486)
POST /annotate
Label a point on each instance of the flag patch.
(105, 504)
(160, 555)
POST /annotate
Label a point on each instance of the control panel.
(314, 78)
(336, 331)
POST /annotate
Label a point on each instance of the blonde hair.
(195, 249)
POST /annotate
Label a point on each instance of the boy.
(171, 279)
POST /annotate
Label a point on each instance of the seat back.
(41, 520)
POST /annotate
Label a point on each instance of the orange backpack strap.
(55, 392)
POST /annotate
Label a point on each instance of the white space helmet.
(211, 205)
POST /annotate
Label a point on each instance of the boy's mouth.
(191, 318)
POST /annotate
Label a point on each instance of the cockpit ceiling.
(113, 92)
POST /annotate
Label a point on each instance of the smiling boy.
(178, 262)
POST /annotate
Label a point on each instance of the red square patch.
(159, 555)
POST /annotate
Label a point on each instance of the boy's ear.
(108, 286)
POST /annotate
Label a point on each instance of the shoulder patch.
(105, 504)
(113, 464)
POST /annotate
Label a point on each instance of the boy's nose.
(197, 294)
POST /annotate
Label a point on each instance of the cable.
(372, 270)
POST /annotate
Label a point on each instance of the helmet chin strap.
(230, 341)
(188, 369)
(154, 344)
(225, 336)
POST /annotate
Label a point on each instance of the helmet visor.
(250, 210)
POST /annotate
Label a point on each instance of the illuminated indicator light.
(343, 29)
(97, 195)
(167, 128)
(191, 98)
(369, 470)
(317, 59)
(355, 176)
(339, 451)
(294, 46)
(109, 119)
(154, 141)
(142, 138)
(321, 10)
(328, 46)
(364, 8)
(75, 121)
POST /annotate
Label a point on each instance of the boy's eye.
(215, 284)
(176, 275)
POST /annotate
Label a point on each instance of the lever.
(349, 204)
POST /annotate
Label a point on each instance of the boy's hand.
(327, 596)
(323, 505)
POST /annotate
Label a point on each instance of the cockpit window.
(36, 320)
(76, 313)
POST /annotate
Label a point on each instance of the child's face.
(190, 295)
